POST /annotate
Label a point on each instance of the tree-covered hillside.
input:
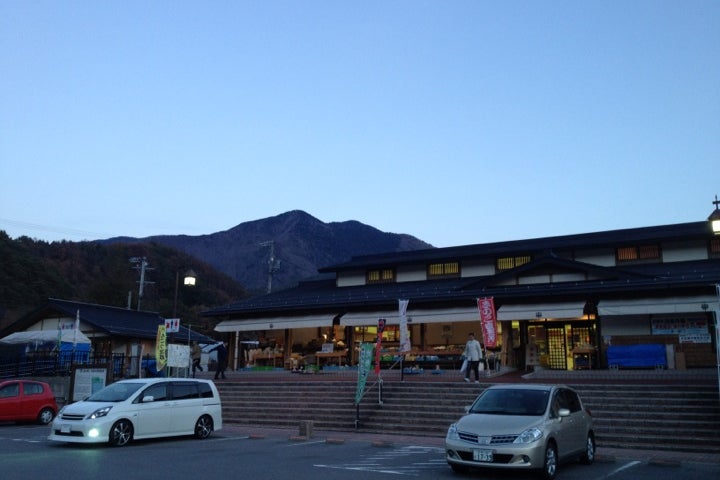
(31, 271)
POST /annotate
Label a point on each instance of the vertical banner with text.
(160, 348)
(486, 306)
(378, 346)
(366, 350)
(404, 330)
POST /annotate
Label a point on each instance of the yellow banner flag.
(160, 348)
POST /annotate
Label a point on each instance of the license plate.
(64, 428)
(482, 455)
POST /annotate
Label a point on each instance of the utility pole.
(141, 264)
(273, 264)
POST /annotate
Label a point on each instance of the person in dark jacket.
(196, 355)
(222, 360)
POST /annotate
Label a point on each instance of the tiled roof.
(113, 321)
(608, 282)
(607, 239)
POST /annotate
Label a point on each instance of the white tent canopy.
(44, 336)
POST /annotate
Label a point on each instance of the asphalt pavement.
(660, 457)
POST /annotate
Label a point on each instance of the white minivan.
(141, 408)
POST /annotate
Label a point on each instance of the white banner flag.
(404, 330)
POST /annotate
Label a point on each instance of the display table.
(268, 359)
(329, 356)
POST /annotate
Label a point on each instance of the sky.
(457, 122)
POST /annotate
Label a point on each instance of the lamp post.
(188, 280)
(714, 217)
(714, 220)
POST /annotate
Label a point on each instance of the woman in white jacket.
(473, 355)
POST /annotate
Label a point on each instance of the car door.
(577, 429)
(153, 417)
(570, 430)
(10, 401)
(562, 427)
(186, 405)
(31, 399)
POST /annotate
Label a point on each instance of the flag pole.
(75, 332)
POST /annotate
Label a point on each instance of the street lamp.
(714, 217)
(188, 280)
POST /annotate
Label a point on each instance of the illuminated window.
(447, 269)
(391, 333)
(638, 253)
(506, 263)
(385, 275)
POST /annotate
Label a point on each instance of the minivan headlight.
(530, 435)
(100, 412)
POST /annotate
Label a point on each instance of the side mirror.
(150, 398)
(563, 412)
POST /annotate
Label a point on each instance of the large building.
(642, 297)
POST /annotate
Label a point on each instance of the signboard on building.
(688, 328)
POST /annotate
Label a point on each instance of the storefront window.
(391, 333)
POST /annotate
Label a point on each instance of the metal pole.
(190, 360)
(716, 314)
(177, 287)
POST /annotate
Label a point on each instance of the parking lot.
(26, 453)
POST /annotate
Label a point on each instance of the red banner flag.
(486, 306)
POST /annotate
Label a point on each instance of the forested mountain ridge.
(230, 265)
(31, 271)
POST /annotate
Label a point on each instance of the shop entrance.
(561, 345)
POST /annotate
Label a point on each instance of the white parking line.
(624, 467)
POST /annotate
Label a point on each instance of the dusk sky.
(458, 122)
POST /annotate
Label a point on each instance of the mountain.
(300, 243)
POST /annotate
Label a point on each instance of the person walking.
(222, 359)
(473, 355)
(196, 355)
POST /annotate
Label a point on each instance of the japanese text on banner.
(486, 306)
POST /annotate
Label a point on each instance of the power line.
(49, 228)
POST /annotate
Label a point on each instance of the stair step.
(658, 417)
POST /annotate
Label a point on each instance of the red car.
(27, 400)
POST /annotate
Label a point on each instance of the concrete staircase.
(652, 417)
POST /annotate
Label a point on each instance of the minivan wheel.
(589, 456)
(121, 433)
(45, 416)
(551, 462)
(203, 427)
